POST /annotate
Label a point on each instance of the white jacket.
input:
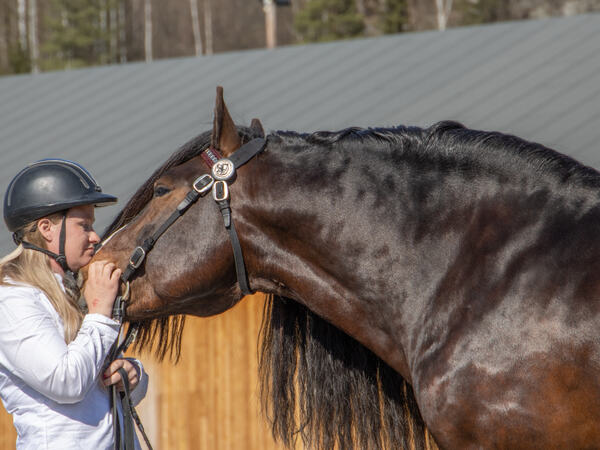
(53, 390)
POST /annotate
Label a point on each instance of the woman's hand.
(111, 376)
(101, 287)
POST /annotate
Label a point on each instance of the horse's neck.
(365, 241)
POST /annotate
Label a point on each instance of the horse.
(426, 286)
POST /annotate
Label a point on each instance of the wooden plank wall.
(209, 401)
(8, 435)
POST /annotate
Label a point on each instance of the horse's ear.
(257, 127)
(224, 136)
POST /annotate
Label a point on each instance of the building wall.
(8, 436)
(209, 400)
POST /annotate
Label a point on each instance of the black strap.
(245, 153)
(126, 441)
(114, 399)
(60, 258)
(128, 431)
(30, 246)
(138, 422)
(136, 259)
(131, 334)
(238, 257)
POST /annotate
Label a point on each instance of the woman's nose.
(94, 238)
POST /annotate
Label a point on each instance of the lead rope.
(130, 415)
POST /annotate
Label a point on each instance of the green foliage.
(18, 60)
(327, 20)
(78, 35)
(394, 16)
(475, 12)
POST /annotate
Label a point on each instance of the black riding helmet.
(46, 187)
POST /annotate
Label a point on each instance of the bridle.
(223, 174)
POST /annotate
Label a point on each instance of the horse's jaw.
(203, 304)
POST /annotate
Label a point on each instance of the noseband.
(223, 171)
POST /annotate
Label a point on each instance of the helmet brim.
(28, 215)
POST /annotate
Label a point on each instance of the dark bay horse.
(439, 279)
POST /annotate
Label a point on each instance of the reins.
(223, 171)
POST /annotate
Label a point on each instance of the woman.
(53, 375)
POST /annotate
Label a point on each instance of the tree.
(14, 56)
(196, 27)
(148, 30)
(393, 16)
(208, 27)
(34, 52)
(270, 23)
(483, 11)
(78, 36)
(327, 20)
(22, 21)
(443, 8)
(74, 33)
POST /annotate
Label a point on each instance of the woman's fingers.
(101, 287)
(112, 376)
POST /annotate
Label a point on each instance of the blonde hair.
(33, 268)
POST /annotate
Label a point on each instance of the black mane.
(451, 146)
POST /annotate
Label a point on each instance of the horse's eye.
(159, 191)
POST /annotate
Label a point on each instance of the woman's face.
(80, 236)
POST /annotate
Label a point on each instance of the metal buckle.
(220, 191)
(223, 169)
(137, 257)
(118, 310)
(125, 295)
(203, 184)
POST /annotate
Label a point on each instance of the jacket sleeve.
(33, 348)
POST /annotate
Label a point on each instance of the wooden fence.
(210, 399)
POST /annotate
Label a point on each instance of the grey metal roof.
(537, 79)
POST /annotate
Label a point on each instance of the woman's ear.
(46, 229)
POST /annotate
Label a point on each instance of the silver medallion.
(223, 169)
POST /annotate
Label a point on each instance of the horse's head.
(190, 269)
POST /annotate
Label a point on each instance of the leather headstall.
(223, 174)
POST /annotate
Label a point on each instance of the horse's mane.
(451, 146)
(321, 385)
(317, 382)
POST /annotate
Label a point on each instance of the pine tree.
(483, 11)
(78, 34)
(14, 55)
(327, 20)
(394, 17)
